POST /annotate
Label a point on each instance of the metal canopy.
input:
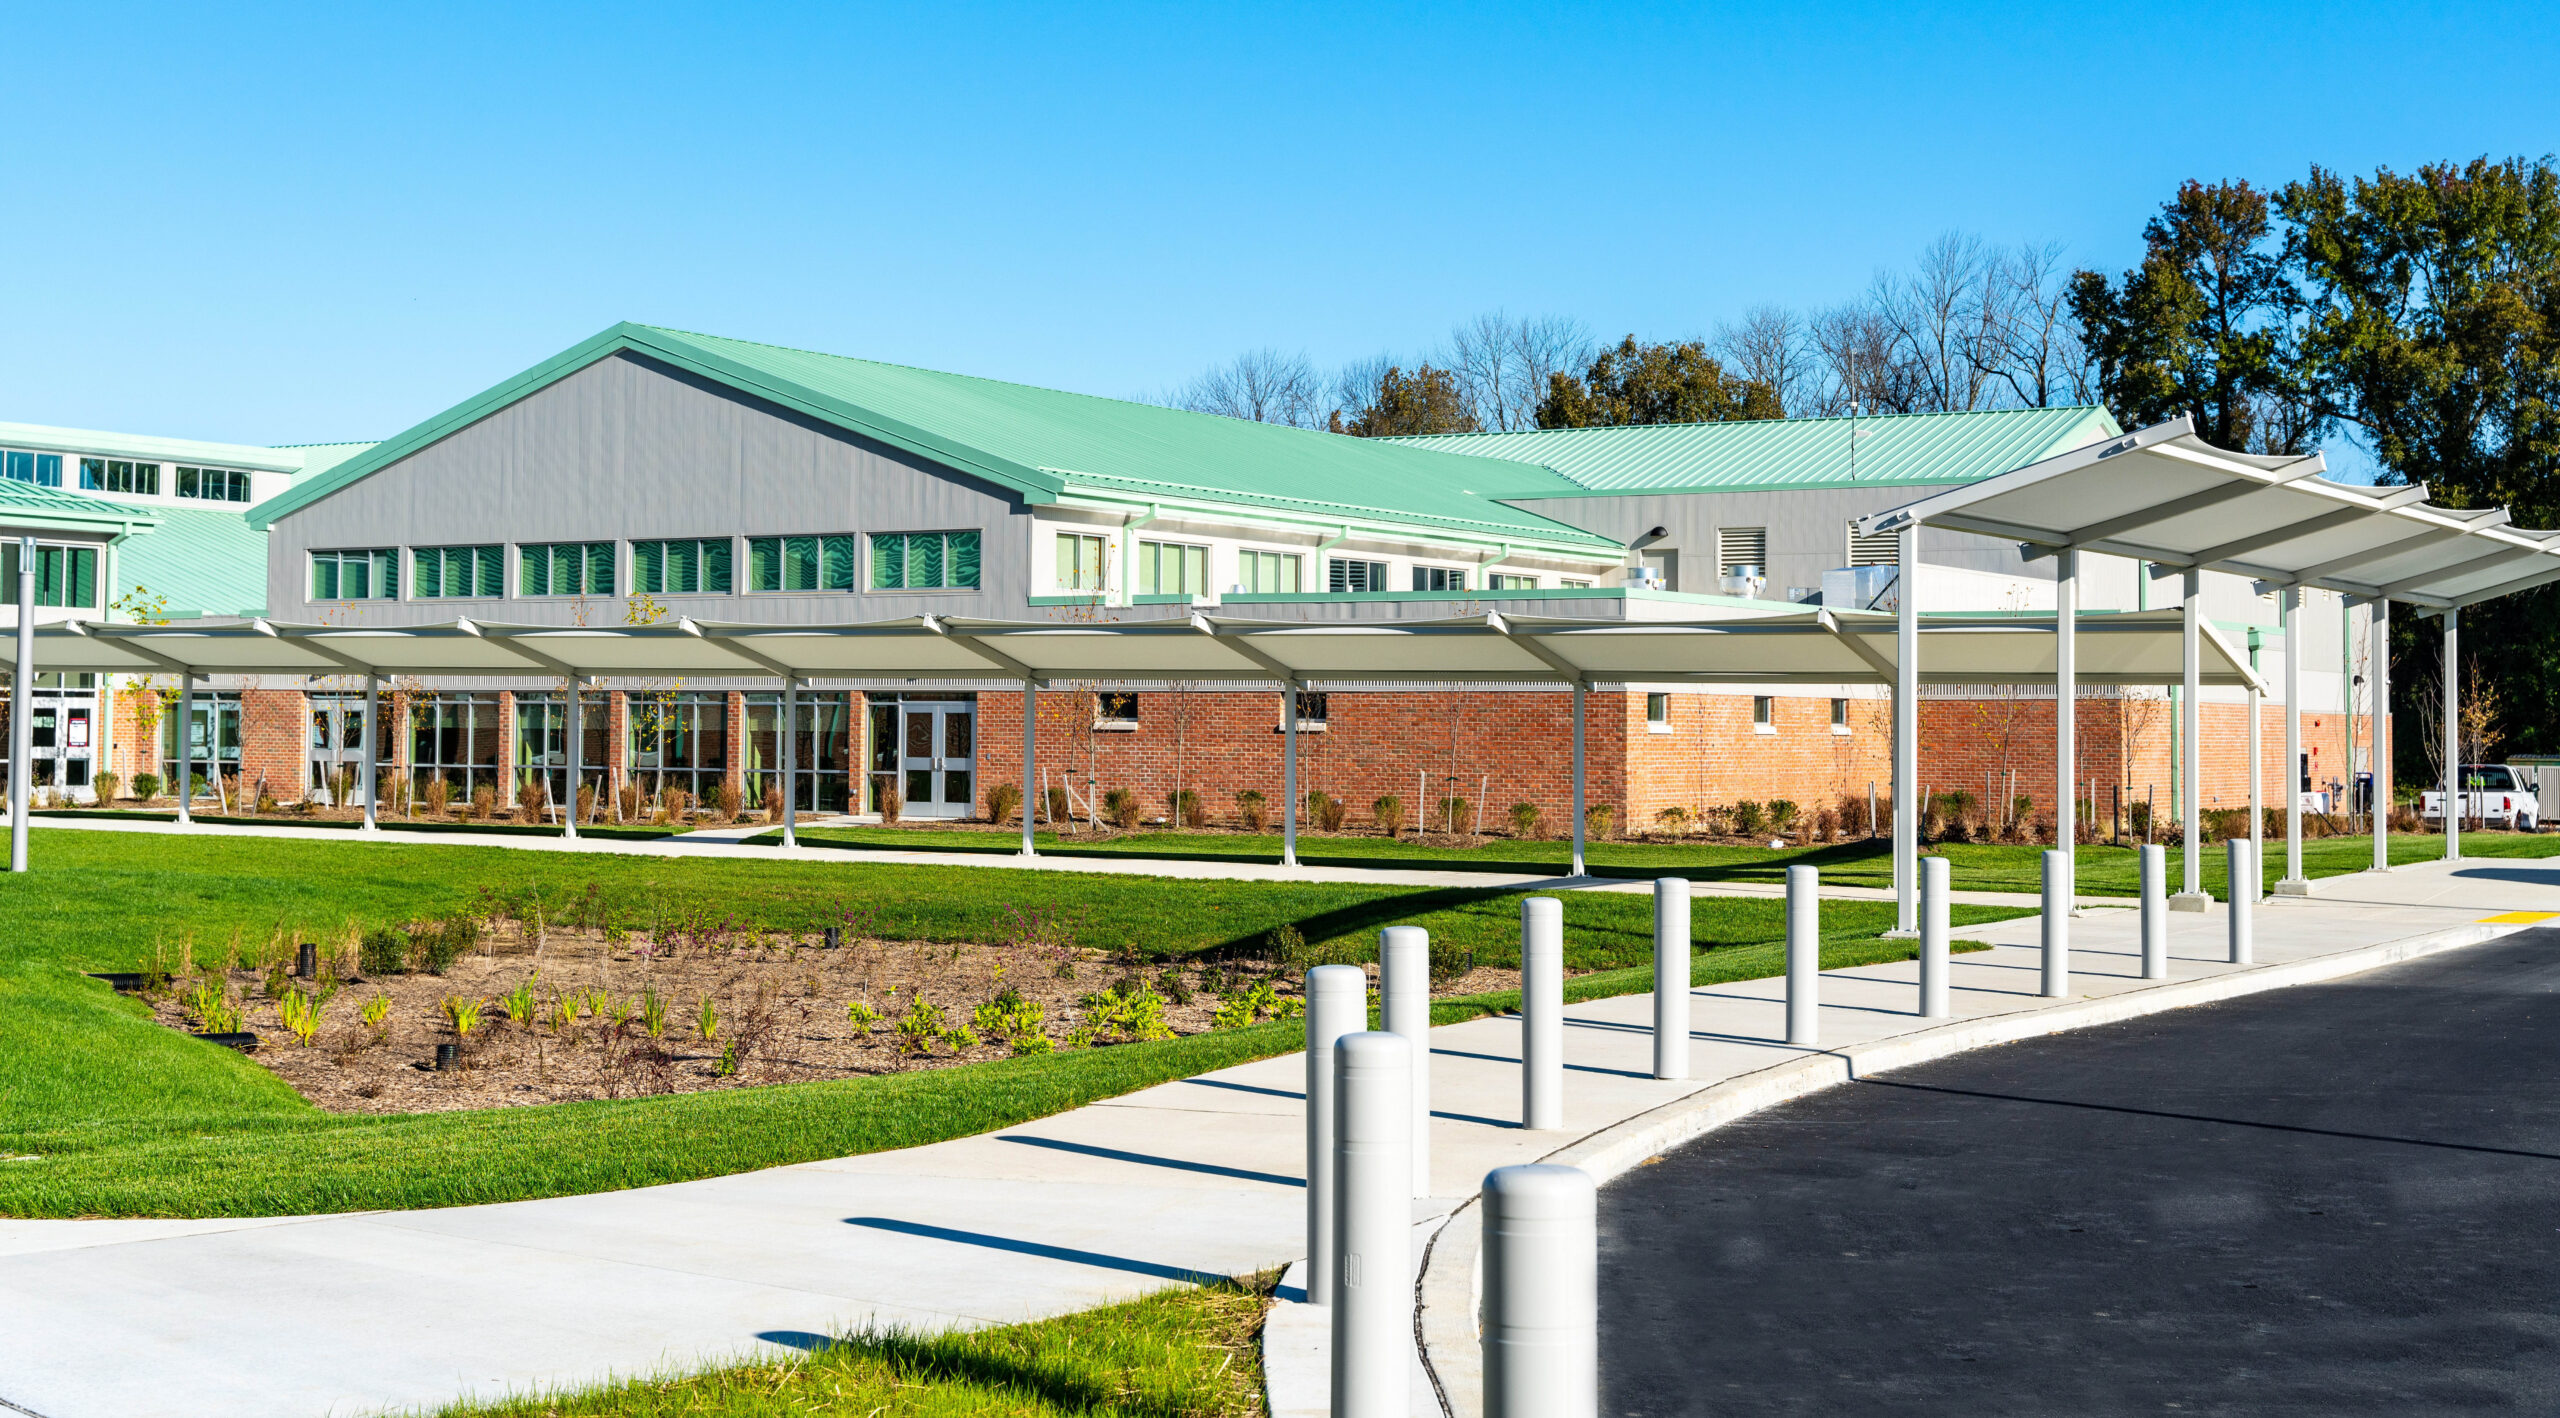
(2163, 495)
(1782, 645)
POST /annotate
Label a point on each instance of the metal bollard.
(1804, 954)
(1373, 1225)
(1541, 1307)
(1671, 977)
(1933, 938)
(1337, 1004)
(1404, 1009)
(1541, 1013)
(2241, 866)
(2155, 913)
(2057, 923)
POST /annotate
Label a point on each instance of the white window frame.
(1840, 716)
(1654, 699)
(1764, 713)
(1059, 570)
(1250, 562)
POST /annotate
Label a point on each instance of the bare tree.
(1502, 365)
(1771, 345)
(1356, 385)
(1940, 314)
(1860, 363)
(1263, 386)
(2035, 351)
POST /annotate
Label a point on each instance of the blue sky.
(276, 225)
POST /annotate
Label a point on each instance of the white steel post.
(1337, 1004)
(2241, 866)
(2381, 674)
(2066, 705)
(2294, 884)
(372, 751)
(1030, 752)
(1933, 938)
(1541, 1318)
(1671, 942)
(2190, 751)
(1906, 734)
(1541, 1013)
(791, 760)
(1804, 954)
(1579, 693)
(2452, 738)
(2057, 924)
(1289, 775)
(22, 707)
(2155, 911)
(1373, 1226)
(1404, 1009)
(186, 745)
(577, 760)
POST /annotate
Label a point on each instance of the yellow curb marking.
(2518, 918)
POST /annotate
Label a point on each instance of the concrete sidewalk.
(356, 1313)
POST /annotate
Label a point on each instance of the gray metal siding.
(1808, 530)
(629, 449)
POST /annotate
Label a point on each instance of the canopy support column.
(2191, 719)
(1030, 751)
(22, 707)
(2380, 673)
(790, 760)
(186, 745)
(2294, 883)
(1580, 692)
(2452, 737)
(372, 750)
(1906, 733)
(1289, 773)
(2066, 707)
(577, 762)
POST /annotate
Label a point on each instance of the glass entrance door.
(337, 749)
(62, 727)
(938, 753)
(823, 778)
(542, 748)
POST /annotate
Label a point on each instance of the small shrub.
(1782, 815)
(462, 1014)
(1448, 962)
(922, 1028)
(586, 802)
(383, 952)
(1012, 1020)
(732, 802)
(266, 801)
(484, 802)
(1254, 1004)
(1054, 806)
(1673, 819)
(773, 804)
(1127, 1013)
(1826, 825)
(1389, 811)
(1254, 809)
(861, 1015)
(1528, 821)
(1450, 815)
(437, 945)
(892, 796)
(1002, 800)
(104, 786)
(1598, 820)
(1326, 811)
(439, 794)
(1121, 806)
(1748, 818)
(1186, 808)
(375, 1013)
(1853, 816)
(626, 802)
(146, 786)
(533, 799)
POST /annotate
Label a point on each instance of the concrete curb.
(1447, 1294)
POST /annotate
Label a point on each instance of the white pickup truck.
(2491, 792)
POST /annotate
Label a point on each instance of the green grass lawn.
(1186, 1353)
(2103, 871)
(126, 1117)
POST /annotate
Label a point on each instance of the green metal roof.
(321, 457)
(1046, 444)
(1786, 453)
(204, 563)
(35, 500)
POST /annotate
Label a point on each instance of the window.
(1356, 576)
(802, 563)
(1882, 549)
(1572, 585)
(1439, 578)
(213, 484)
(42, 469)
(1312, 707)
(1762, 713)
(449, 572)
(678, 740)
(355, 575)
(692, 566)
(923, 561)
(564, 569)
(1172, 569)
(1839, 716)
(1498, 581)
(65, 576)
(1268, 573)
(115, 475)
(1657, 713)
(1738, 547)
(455, 737)
(1115, 709)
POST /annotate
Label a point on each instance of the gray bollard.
(1671, 977)
(1404, 1008)
(2241, 866)
(2057, 923)
(2155, 912)
(1541, 1306)
(1337, 1004)
(1804, 954)
(1373, 1225)
(1933, 938)
(1541, 1013)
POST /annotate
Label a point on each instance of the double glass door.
(62, 730)
(821, 777)
(542, 747)
(938, 757)
(337, 748)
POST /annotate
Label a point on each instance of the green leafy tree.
(1663, 383)
(1426, 401)
(2204, 326)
